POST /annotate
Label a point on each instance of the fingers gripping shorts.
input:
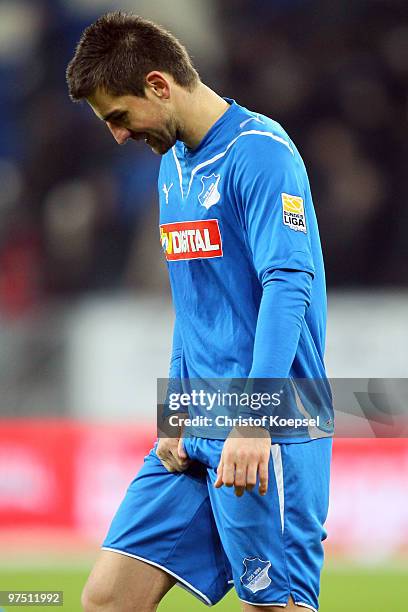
(269, 547)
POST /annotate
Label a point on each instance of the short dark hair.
(117, 52)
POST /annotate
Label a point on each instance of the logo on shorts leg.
(255, 578)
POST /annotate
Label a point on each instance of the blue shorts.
(269, 548)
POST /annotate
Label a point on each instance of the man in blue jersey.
(242, 506)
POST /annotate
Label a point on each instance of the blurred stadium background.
(85, 312)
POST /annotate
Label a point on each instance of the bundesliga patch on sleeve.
(293, 212)
(191, 240)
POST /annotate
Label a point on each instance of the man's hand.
(243, 457)
(172, 454)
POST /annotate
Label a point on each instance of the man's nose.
(120, 134)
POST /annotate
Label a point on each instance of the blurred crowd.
(78, 214)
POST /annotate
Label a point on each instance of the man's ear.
(158, 84)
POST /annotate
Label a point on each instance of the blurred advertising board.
(66, 474)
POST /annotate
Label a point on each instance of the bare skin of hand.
(172, 454)
(245, 456)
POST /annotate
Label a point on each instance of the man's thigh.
(166, 520)
(274, 542)
(118, 582)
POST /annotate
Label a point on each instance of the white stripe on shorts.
(278, 469)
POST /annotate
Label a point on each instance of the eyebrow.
(113, 115)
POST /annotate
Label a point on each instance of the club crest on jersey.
(255, 578)
(191, 240)
(209, 194)
(293, 212)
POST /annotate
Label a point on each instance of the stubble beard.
(162, 141)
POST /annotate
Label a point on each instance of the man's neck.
(198, 111)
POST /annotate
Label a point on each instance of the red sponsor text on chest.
(191, 239)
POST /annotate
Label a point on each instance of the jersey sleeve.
(284, 301)
(271, 192)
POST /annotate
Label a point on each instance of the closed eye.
(116, 117)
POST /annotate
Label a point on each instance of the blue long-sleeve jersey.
(240, 236)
